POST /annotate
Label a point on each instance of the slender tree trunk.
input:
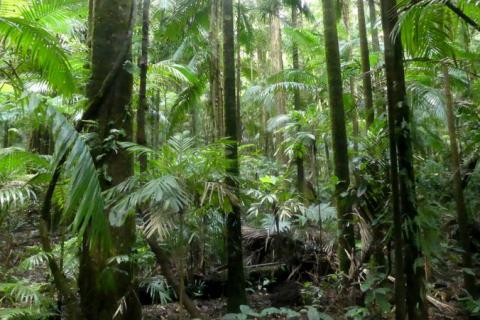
(103, 290)
(365, 59)
(216, 94)
(400, 284)
(339, 133)
(373, 28)
(355, 124)
(276, 54)
(236, 295)
(297, 102)
(142, 96)
(265, 136)
(238, 68)
(414, 273)
(462, 216)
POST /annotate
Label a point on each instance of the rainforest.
(239, 159)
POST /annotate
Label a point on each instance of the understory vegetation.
(255, 159)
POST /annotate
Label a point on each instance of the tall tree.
(416, 308)
(462, 215)
(276, 51)
(216, 89)
(297, 103)
(142, 94)
(339, 133)
(365, 59)
(236, 279)
(105, 288)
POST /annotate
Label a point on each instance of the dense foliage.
(326, 151)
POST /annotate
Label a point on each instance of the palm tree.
(340, 148)
(235, 282)
(110, 88)
(401, 150)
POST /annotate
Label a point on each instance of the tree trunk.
(400, 284)
(297, 103)
(373, 28)
(103, 290)
(462, 216)
(414, 273)
(276, 54)
(340, 146)
(238, 69)
(142, 95)
(365, 59)
(236, 295)
(216, 98)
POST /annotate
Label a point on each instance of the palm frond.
(16, 194)
(84, 200)
(41, 49)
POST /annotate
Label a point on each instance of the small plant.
(376, 295)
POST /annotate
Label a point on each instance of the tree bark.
(416, 307)
(340, 147)
(365, 60)
(216, 94)
(238, 72)
(236, 295)
(462, 215)
(103, 290)
(142, 95)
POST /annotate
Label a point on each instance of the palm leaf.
(84, 200)
(40, 49)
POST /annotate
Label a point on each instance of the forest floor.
(333, 302)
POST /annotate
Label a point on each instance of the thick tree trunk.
(365, 59)
(462, 216)
(416, 307)
(339, 133)
(103, 290)
(235, 283)
(297, 103)
(373, 28)
(142, 95)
